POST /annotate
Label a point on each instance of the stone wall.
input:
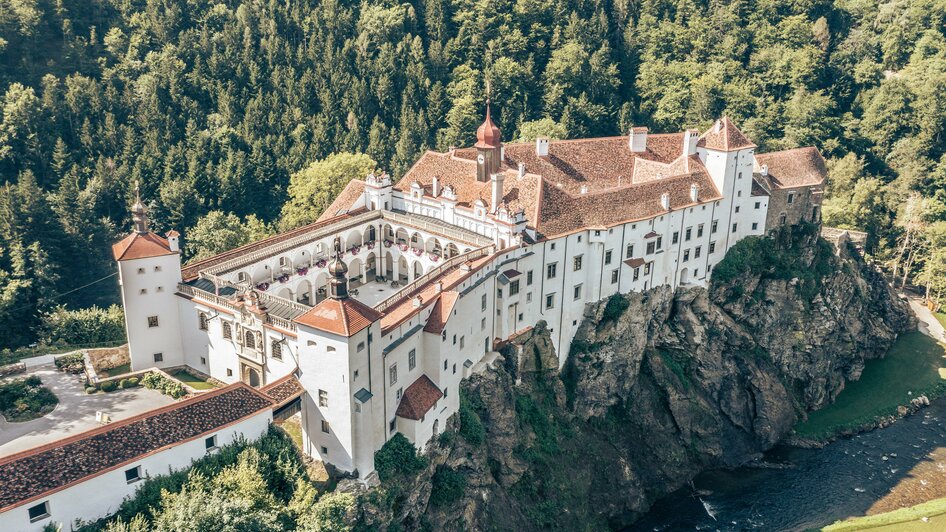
(107, 358)
(805, 200)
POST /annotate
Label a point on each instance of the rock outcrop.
(657, 388)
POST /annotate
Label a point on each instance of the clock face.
(480, 158)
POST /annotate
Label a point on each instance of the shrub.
(108, 386)
(448, 486)
(32, 381)
(398, 456)
(92, 325)
(174, 389)
(73, 363)
(91, 389)
(471, 428)
(614, 308)
(122, 384)
(152, 381)
(26, 399)
(132, 382)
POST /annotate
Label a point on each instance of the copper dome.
(488, 135)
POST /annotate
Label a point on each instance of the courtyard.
(75, 412)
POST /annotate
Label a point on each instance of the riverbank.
(926, 516)
(914, 367)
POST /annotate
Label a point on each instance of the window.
(549, 301)
(675, 238)
(275, 349)
(152, 321)
(734, 227)
(203, 361)
(576, 263)
(157, 268)
(551, 270)
(455, 339)
(699, 231)
(689, 233)
(715, 226)
(647, 269)
(159, 357)
(462, 341)
(630, 251)
(210, 443)
(696, 272)
(391, 426)
(553, 246)
(202, 321)
(323, 398)
(614, 276)
(483, 321)
(737, 208)
(445, 365)
(454, 369)
(577, 291)
(325, 426)
(791, 198)
(781, 218)
(686, 255)
(637, 273)
(227, 331)
(392, 374)
(712, 248)
(411, 359)
(514, 288)
(229, 372)
(607, 257)
(758, 204)
(324, 450)
(445, 393)
(361, 347)
(529, 297)
(660, 243)
(651, 247)
(755, 226)
(483, 302)
(579, 238)
(400, 392)
(40, 511)
(133, 474)
(355, 376)
(249, 340)
(499, 293)
(528, 277)
(697, 252)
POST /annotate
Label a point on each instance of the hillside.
(212, 107)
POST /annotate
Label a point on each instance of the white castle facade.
(468, 249)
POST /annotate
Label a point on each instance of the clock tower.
(489, 148)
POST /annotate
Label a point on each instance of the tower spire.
(139, 214)
(339, 273)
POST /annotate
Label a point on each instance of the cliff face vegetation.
(658, 387)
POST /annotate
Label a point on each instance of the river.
(901, 465)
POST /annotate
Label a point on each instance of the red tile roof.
(344, 201)
(418, 399)
(283, 390)
(32, 474)
(141, 246)
(345, 317)
(801, 167)
(441, 312)
(724, 136)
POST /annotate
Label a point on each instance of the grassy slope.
(907, 519)
(914, 364)
(941, 316)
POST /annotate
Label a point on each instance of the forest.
(233, 115)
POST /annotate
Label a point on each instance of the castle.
(401, 290)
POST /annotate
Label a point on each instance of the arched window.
(249, 340)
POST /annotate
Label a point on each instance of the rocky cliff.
(658, 387)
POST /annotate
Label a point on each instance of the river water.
(901, 465)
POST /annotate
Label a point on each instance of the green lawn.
(941, 317)
(192, 380)
(916, 363)
(906, 519)
(119, 370)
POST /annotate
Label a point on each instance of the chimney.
(584, 189)
(522, 170)
(764, 170)
(438, 287)
(435, 185)
(417, 301)
(694, 193)
(690, 138)
(637, 140)
(174, 240)
(497, 187)
(665, 201)
(542, 146)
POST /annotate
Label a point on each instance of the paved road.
(75, 412)
(928, 324)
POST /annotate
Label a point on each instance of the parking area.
(75, 412)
